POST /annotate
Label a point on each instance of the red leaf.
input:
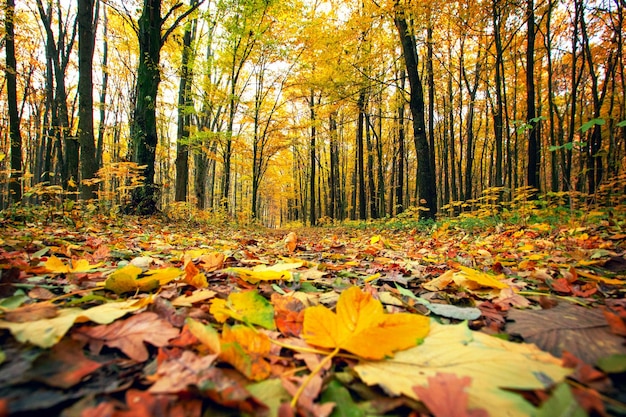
(64, 366)
(616, 323)
(288, 314)
(561, 285)
(445, 396)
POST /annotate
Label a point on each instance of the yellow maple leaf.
(55, 265)
(360, 326)
(476, 279)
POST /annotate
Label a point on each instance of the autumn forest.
(309, 111)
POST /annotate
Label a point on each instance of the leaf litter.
(144, 317)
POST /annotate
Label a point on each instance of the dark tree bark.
(472, 89)
(499, 105)
(184, 117)
(534, 148)
(553, 110)
(595, 164)
(371, 186)
(360, 157)
(143, 129)
(430, 81)
(399, 197)
(575, 77)
(88, 161)
(15, 186)
(103, 90)
(334, 184)
(312, 161)
(426, 175)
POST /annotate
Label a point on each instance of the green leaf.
(561, 403)
(613, 364)
(14, 301)
(621, 124)
(344, 404)
(591, 123)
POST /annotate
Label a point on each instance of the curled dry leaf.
(291, 242)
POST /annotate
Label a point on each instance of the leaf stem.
(317, 370)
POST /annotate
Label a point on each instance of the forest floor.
(128, 316)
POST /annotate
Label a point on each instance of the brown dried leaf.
(129, 335)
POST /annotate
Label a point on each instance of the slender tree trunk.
(360, 156)
(185, 105)
(430, 81)
(534, 148)
(553, 110)
(104, 88)
(333, 177)
(88, 161)
(401, 152)
(498, 110)
(313, 161)
(575, 78)
(371, 186)
(426, 174)
(15, 183)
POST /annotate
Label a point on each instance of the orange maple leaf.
(445, 396)
(361, 327)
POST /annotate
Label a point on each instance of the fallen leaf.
(561, 403)
(276, 272)
(164, 275)
(194, 277)
(495, 366)
(129, 335)
(55, 265)
(177, 374)
(228, 392)
(473, 279)
(63, 366)
(288, 314)
(47, 332)
(291, 241)
(187, 300)
(582, 331)
(32, 312)
(247, 350)
(360, 326)
(125, 279)
(246, 306)
(206, 334)
(446, 396)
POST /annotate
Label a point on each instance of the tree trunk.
(360, 157)
(103, 90)
(312, 161)
(15, 183)
(401, 139)
(498, 110)
(534, 149)
(88, 161)
(426, 174)
(143, 129)
(185, 105)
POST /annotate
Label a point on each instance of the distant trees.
(295, 111)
